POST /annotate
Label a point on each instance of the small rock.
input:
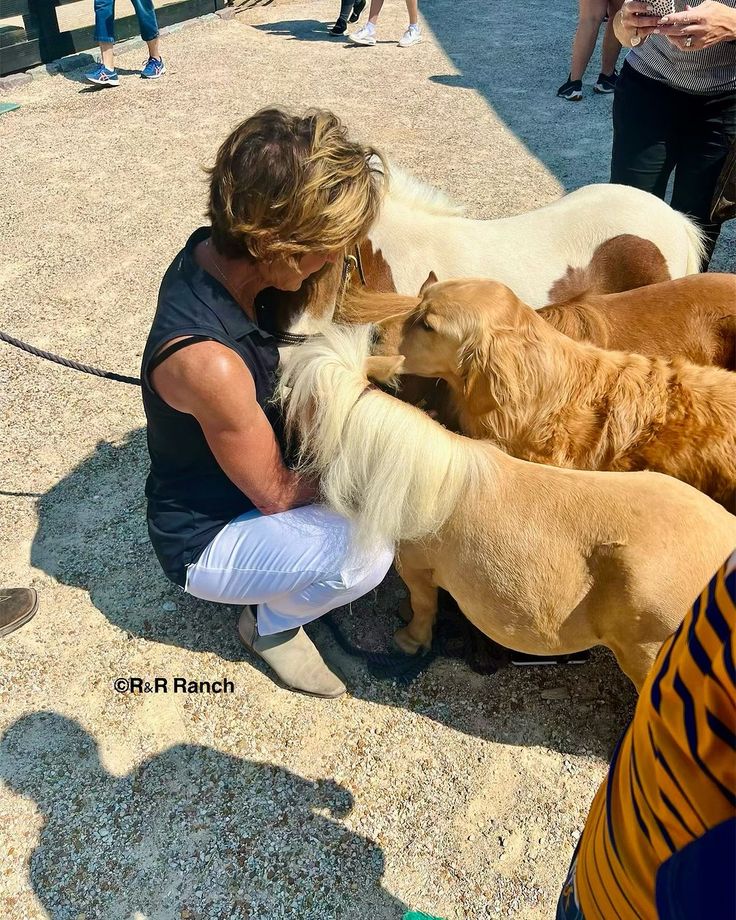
(169, 606)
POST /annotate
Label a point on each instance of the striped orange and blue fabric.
(672, 780)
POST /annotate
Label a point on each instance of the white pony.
(543, 560)
(420, 230)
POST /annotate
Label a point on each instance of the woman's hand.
(634, 22)
(708, 24)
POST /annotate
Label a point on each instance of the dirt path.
(460, 795)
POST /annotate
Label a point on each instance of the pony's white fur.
(346, 441)
(412, 192)
(419, 231)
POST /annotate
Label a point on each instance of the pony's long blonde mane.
(380, 462)
(405, 188)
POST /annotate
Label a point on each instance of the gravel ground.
(460, 795)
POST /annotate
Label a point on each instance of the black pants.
(657, 129)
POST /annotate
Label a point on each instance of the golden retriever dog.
(540, 559)
(544, 397)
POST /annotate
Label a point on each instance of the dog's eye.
(425, 325)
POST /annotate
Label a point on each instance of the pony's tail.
(696, 249)
(380, 462)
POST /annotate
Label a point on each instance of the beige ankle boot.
(293, 657)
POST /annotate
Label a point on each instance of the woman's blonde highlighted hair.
(285, 185)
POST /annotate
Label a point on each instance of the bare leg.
(106, 55)
(413, 8)
(590, 16)
(417, 636)
(154, 48)
(376, 7)
(611, 45)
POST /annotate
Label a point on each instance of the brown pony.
(546, 398)
(692, 318)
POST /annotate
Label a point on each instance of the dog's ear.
(476, 391)
(431, 279)
(384, 368)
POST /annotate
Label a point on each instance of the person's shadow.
(303, 30)
(92, 535)
(189, 833)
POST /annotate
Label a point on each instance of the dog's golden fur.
(546, 398)
(542, 560)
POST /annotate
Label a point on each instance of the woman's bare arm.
(210, 382)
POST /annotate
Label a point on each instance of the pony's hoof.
(408, 645)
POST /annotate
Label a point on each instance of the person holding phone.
(674, 109)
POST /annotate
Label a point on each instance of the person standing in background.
(590, 16)
(675, 104)
(104, 74)
(367, 35)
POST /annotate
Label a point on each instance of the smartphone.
(661, 8)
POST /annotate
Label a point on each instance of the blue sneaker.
(101, 76)
(153, 68)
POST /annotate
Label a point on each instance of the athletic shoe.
(358, 8)
(606, 84)
(153, 68)
(365, 36)
(340, 27)
(572, 90)
(412, 36)
(102, 76)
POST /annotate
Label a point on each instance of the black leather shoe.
(17, 606)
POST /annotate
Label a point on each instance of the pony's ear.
(384, 368)
(431, 279)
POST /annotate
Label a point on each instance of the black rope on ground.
(65, 362)
(383, 665)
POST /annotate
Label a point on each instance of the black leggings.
(657, 128)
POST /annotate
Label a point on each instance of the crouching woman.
(229, 520)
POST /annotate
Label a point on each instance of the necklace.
(213, 258)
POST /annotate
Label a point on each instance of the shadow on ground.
(515, 56)
(190, 833)
(92, 535)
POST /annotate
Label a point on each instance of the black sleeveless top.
(190, 498)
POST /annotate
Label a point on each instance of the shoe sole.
(416, 41)
(154, 76)
(361, 44)
(29, 615)
(280, 682)
(102, 82)
(601, 91)
(576, 97)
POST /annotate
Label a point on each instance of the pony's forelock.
(380, 462)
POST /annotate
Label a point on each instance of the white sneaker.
(412, 36)
(365, 36)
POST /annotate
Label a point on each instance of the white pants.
(295, 566)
